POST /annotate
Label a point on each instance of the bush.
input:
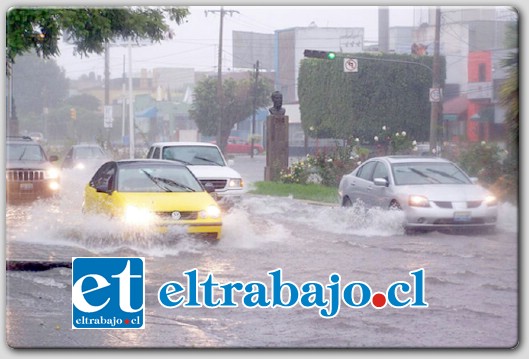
(482, 160)
(394, 144)
(326, 168)
(490, 164)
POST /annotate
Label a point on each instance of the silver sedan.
(432, 192)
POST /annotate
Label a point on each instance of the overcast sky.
(195, 42)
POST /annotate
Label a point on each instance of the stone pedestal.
(276, 146)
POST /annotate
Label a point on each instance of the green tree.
(389, 89)
(509, 95)
(37, 84)
(236, 107)
(88, 29)
(40, 29)
(85, 101)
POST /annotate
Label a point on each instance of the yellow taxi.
(155, 194)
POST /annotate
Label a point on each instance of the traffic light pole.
(131, 105)
(436, 106)
(219, 79)
(254, 107)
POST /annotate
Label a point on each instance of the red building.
(475, 115)
(480, 113)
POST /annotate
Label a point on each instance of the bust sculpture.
(277, 99)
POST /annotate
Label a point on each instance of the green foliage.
(326, 168)
(38, 83)
(39, 29)
(493, 166)
(84, 101)
(311, 192)
(482, 160)
(387, 89)
(205, 109)
(509, 94)
(237, 104)
(394, 143)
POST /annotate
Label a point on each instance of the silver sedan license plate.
(462, 217)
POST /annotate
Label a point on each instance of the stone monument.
(276, 139)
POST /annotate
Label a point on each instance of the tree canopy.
(509, 92)
(38, 84)
(88, 29)
(236, 107)
(388, 90)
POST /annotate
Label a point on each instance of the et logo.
(108, 293)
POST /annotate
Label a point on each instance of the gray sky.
(195, 42)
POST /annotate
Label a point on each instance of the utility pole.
(131, 103)
(107, 84)
(383, 29)
(254, 106)
(219, 69)
(124, 101)
(107, 74)
(436, 105)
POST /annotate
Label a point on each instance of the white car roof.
(205, 144)
(416, 159)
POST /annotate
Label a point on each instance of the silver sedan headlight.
(418, 201)
(491, 200)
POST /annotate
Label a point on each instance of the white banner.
(107, 120)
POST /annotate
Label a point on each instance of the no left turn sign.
(350, 65)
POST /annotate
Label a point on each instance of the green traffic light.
(331, 55)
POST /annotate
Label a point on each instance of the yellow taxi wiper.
(156, 181)
(173, 183)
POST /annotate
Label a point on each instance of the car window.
(104, 176)
(194, 155)
(150, 152)
(89, 152)
(25, 152)
(428, 173)
(366, 170)
(157, 179)
(381, 171)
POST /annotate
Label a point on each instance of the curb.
(35, 266)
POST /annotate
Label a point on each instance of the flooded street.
(471, 280)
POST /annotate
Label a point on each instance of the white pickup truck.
(206, 162)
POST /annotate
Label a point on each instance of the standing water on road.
(470, 279)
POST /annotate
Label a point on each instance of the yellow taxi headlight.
(210, 212)
(138, 216)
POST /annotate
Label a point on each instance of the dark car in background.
(86, 157)
(30, 173)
